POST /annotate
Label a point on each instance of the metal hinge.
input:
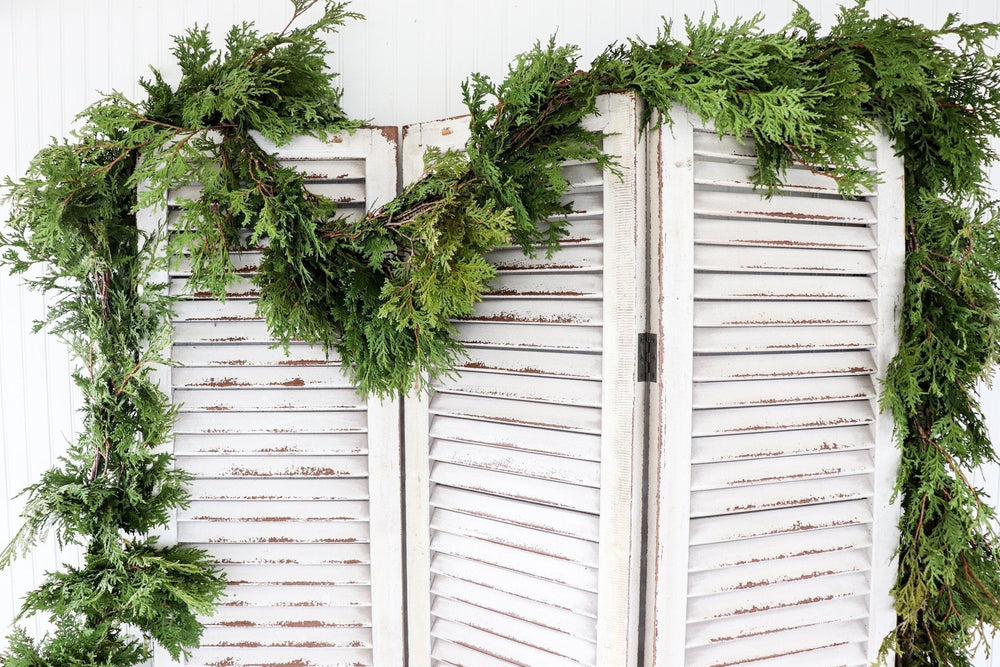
(646, 371)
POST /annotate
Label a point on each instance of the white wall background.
(404, 64)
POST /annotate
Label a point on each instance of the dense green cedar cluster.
(383, 290)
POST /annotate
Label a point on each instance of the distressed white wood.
(527, 470)
(775, 465)
(671, 190)
(296, 488)
(890, 208)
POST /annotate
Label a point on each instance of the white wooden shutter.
(297, 478)
(524, 474)
(771, 528)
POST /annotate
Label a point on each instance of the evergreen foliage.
(384, 290)
(72, 234)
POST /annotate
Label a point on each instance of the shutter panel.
(524, 472)
(297, 478)
(772, 532)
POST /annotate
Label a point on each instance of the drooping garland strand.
(383, 290)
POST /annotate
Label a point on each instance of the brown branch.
(943, 283)
(951, 462)
(812, 169)
(982, 587)
(920, 521)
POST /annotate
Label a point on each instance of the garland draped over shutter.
(297, 477)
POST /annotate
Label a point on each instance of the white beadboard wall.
(403, 64)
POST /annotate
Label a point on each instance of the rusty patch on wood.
(297, 382)
(813, 346)
(799, 399)
(790, 503)
(779, 478)
(247, 519)
(247, 269)
(529, 267)
(231, 339)
(390, 132)
(796, 244)
(302, 471)
(799, 526)
(218, 408)
(790, 295)
(511, 292)
(446, 131)
(747, 585)
(854, 370)
(221, 383)
(229, 295)
(303, 362)
(477, 365)
(755, 608)
(798, 216)
(511, 317)
(816, 424)
(777, 655)
(784, 321)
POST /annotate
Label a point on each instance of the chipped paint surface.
(277, 445)
(528, 451)
(787, 332)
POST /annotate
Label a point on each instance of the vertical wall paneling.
(296, 490)
(768, 415)
(524, 471)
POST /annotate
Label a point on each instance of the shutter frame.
(380, 466)
(673, 531)
(621, 316)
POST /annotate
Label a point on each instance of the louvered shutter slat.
(782, 260)
(764, 470)
(782, 494)
(736, 286)
(546, 492)
(292, 471)
(511, 436)
(548, 519)
(456, 655)
(763, 445)
(543, 615)
(529, 633)
(525, 476)
(575, 600)
(490, 643)
(781, 235)
(781, 392)
(790, 365)
(537, 336)
(778, 547)
(797, 646)
(783, 313)
(790, 207)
